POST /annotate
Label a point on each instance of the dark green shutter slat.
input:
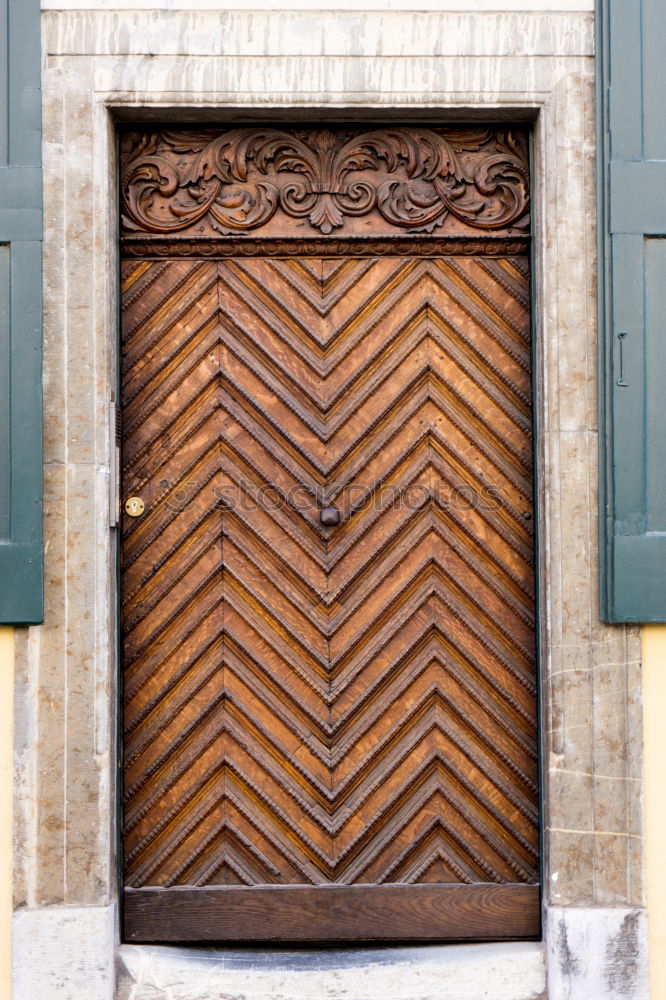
(21, 559)
(5, 397)
(25, 95)
(655, 382)
(654, 91)
(627, 274)
(632, 308)
(622, 40)
(4, 85)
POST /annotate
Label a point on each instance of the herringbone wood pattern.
(310, 704)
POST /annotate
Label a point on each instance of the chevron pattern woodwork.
(350, 703)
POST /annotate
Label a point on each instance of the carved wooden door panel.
(328, 608)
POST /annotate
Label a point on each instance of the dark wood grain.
(333, 913)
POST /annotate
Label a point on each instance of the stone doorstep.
(515, 971)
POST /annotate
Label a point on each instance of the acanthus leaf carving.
(237, 180)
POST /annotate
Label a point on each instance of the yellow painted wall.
(6, 773)
(654, 730)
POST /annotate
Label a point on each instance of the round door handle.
(329, 516)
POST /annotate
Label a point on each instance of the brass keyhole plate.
(134, 506)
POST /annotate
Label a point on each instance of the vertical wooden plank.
(5, 397)
(655, 376)
(24, 70)
(624, 78)
(4, 84)
(654, 105)
(628, 384)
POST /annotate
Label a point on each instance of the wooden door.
(328, 607)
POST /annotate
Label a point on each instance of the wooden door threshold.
(333, 913)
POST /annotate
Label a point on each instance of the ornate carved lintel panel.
(276, 182)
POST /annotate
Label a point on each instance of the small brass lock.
(134, 506)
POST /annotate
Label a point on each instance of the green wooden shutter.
(632, 327)
(21, 560)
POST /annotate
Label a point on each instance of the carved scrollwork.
(235, 181)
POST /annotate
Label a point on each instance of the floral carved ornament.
(410, 179)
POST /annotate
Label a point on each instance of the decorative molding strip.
(384, 181)
(274, 247)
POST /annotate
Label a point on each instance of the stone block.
(597, 954)
(64, 953)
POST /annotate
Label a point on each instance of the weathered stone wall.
(120, 57)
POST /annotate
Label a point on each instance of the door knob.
(329, 516)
